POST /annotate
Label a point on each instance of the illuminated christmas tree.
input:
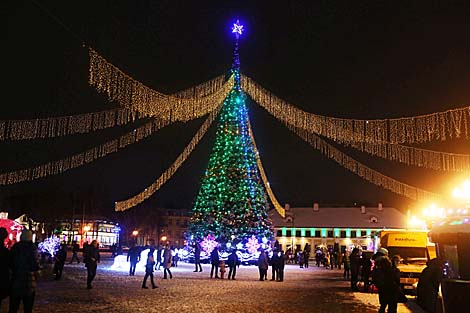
(231, 203)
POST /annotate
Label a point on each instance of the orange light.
(135, 233)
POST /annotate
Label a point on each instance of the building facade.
(81, 231)
(343, 227)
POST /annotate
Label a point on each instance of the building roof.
(352, 217)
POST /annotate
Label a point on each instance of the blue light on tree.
(237, 29)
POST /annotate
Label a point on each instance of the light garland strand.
(272, 197)
(128, 92)
(168, 173)
(453, 123)
(82, 158)
(66, 125)
(92, 154)
(362, 170)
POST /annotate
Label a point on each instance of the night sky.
(355, 59)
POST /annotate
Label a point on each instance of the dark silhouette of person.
(365, 272)
(75, 249)
(232, 262)
(133, 256)
(263, 265)
(387, 279)
(428, 285)
(306, 257)
(149, 270)
(167, 261)
(197, 257)
(24, 267)
(159, 259)
(275, 265)
(59, 263)
(215, 262)
(280, 266)
(91, 259)
(355, 260)
(4, 266)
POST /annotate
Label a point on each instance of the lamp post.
(135, 232)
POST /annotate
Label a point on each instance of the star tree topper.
(237, 29)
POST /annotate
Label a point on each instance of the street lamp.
(135, 233)
(86, 229)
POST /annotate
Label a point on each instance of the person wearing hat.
(24, 268)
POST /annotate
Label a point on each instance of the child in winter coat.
(222, 269)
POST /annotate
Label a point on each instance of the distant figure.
(133, 256)
(4, 270)
(347, 265)
(91, 259)
(428, 285)
(176, 257)
(275, 265)
(263, 265)
(197, 257)
(365, 272)
(222, 269)
(167, 260)
(215, 262)
(300, 258)
(75, 249)
(355, 260)
(281, 264)
(149, 270)
(24, 267)
(59, 263)
(159, 259)
(232, 262)
(113, 250)
(306, 257)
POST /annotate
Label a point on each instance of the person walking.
(197, 257)
(263, 265)
(133, 256)
(59, 263)
(75, 249)
(149, 270)
(215, 262)
(167, 260)
(91, 259)
(4, 266)
(386, 278)
(232, 263)
(24, 268)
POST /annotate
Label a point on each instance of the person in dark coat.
(91, 259)
(149, 270)
(387, 280)
(355, 260)
(133, 256)
(280, 266)
(263, 265)
(365, 272)
(59, 263)
(75, 249)
(167, 261)
(428, 285)
(4, 266)
(232, 262)
(24, 267)
(197, 257)
(215, 262)
(275, 265)
(347, 265)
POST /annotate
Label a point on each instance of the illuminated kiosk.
(452, 239)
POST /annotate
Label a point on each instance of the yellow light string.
(127, 91)
(454, 123)
(66, 125)
(168, 173)
(82, 158)
(362, 170)
(92, 154)
(272, 197)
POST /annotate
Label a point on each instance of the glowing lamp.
(135, 233)
(164, 238)
(86, 228)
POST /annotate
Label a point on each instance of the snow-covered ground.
(303, 290)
